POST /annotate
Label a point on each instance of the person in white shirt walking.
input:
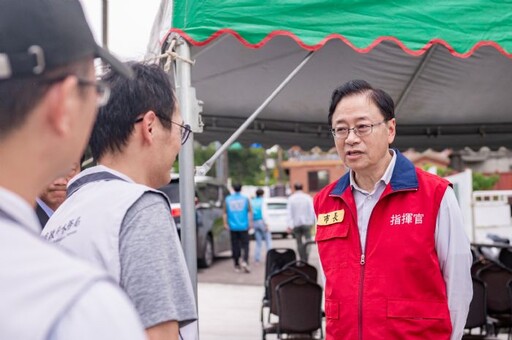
(301, 218)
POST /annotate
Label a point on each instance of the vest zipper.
(360, 307)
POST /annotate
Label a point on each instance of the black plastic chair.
(505, 257)
(477, 316)
(499, 304)
(479, 264)
(310, 271)
(276, 259)
(299, 302)
(269, 305)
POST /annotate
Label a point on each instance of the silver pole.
(105, 24)
(203, 169)
(221, 166)
(186, 158)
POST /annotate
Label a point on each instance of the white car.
(276, 215)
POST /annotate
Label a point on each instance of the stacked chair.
(293, 299)
(490, 310)
(477, 316)
(497, 279)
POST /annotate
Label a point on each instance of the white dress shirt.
(301, 211)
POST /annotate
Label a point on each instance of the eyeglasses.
(185, 129)
(360, 130)
(102, 89)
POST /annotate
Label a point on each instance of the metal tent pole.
(104, 21)
(186, 158)
(203, 169)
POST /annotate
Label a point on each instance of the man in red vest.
(390, 236)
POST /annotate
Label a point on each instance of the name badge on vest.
(330, 218)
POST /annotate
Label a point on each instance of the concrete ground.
(230, 302)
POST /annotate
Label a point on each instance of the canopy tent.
(452, 95)
(445, 63)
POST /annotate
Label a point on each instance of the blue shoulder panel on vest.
(342, 185)
(404, 174)
(404, 177)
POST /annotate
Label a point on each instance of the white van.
(275, 214)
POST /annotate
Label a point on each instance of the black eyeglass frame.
(185, 129)
(102, 88)
(357, 129)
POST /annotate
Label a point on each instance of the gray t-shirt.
(153, 268)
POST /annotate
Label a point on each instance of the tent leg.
(188, 217)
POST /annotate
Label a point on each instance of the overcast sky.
(130, 24)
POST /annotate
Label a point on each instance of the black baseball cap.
(40, 35)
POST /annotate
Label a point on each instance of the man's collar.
(19, 210)
(386, 177)
(100, 168)
(403, 176)
(49, 211)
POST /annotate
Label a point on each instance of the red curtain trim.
(342, 38)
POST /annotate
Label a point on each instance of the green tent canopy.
(461, 26)
(446, 64)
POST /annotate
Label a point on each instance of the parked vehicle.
(275, 215)
(212, 238)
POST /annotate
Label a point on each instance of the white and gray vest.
(88, 223)
(38, 283)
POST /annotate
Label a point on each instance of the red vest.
(395, 290)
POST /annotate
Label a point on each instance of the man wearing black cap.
(48, 103)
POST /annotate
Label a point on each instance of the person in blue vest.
(261, 231)
(238, 220)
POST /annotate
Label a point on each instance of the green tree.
(441, 171)
(245, 166)
(484, 182)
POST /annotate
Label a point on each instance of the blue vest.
(237, 208)
(257, 205)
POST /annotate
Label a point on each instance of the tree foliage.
(480, 181)
(484, 182)
(245, 164)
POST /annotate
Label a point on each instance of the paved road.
(222, 270)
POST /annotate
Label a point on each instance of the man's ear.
(148, 124)
(59, 103)
(391, 125)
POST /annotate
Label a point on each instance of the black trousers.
(240, 243)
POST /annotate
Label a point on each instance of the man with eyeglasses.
(390, 236)
(47, 111)
(119, 221)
